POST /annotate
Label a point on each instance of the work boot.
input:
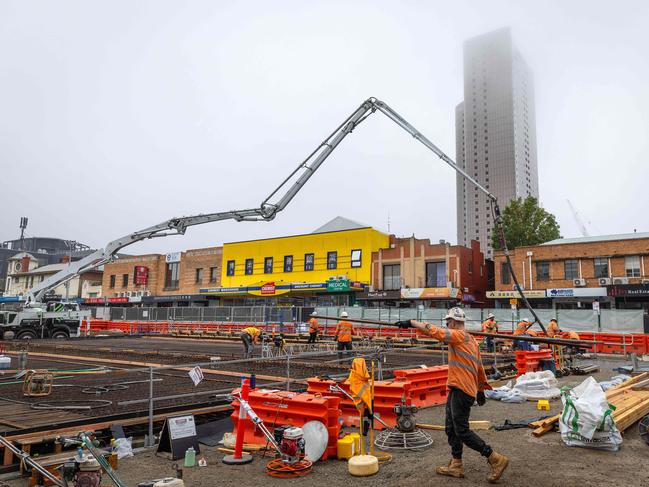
(454, 469)
(498, 464)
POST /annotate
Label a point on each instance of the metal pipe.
(150, 441)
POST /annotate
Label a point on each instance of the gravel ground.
(544, 461)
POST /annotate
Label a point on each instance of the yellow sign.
(513, 301)
(515, 294)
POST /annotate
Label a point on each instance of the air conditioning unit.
(620, 280)
(147, 293)
(644, 281)
(514, 288)
(579, 282)
(604, 281)
(128, 294)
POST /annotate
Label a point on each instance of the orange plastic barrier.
(277, 408)
(528, 361)
(427, 385)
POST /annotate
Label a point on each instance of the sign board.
(596, 306)
(118, 300)
(429, 293)
(196, 375)
(172, 257)
(367, 294)
(141, 275)
(574, 292)
(93, 301)
(338, 285)
(178, 434)
(268, 288)
(629, 290)
(515, 294)
(513, 302)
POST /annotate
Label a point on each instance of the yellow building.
(324, 267)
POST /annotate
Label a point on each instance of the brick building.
(612, 270)
(168, 279)
(413, 271)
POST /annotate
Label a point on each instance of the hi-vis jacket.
(490, 326)
(344, 331)
(522, 329)
(313, 325)
(252, 331)
(465, 370)
(553, 329)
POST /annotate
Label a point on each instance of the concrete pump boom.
(267, 210)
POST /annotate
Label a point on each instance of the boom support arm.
(267, 210)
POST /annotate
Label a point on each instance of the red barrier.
(277, 408)
(527, 361)
(427, 385)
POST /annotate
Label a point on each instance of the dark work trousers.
(458, 409)
(490, 344)
(343, 346)
(312, 336)
(247, 345)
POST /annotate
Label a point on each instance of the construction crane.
(274, 203)
(580, 223)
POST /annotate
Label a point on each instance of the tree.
(526, 223)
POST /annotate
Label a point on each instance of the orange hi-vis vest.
(489, 326)
(252, 331)
(313, 325)
(465, 370)
(344, 331)
(521, 328)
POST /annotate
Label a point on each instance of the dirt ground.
(544, 461)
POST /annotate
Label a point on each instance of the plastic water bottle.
(190, 457)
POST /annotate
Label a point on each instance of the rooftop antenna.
(23, 226)
(388, 221)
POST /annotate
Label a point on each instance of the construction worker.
(490, 326)
(553, 328)
(466, 384)
(249, 336)
(313, 328)
(343, 334)
(523, 329)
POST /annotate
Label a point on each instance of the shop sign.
(93, 301)
(141, 275)
(172, 257)
(575, 292)
(338, 285)
(268, 288)
(308, 285)
(429, 293)
(629, 290)
(515, 294)
(380, 295)
(135, 299)
(118, 300)
(223, 290)
(177, 297)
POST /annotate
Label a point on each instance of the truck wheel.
(27, 335)
(60, 335)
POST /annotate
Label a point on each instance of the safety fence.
(617, 343)
(606, 321)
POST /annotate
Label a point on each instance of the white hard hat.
(455, 314)
(526, 319)
(491, 315)
(315, 313)
(344, 314)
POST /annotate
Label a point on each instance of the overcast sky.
(117, 115)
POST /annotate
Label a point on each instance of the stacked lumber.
(630, 398)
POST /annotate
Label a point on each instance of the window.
(199, 275)
(213, 274)
(124, 280)
(172, 274)
(391, 277)
(268, 265)
(308, 262)
(250, 265)
(632, 265)
(356, 258)
(112, 281)
(504, 273)
(332, 260)
(288, 263)
(470, 266)
(230, 268)
(601, 267)
(571, 269)
(435, 274)
(542, 271)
